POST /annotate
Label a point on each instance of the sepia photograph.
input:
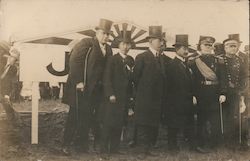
(124, 80)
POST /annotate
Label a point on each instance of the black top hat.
(125, 37)
(181, 40)
(105, 25)
(233, 37)
(206, 39)
(155, 32)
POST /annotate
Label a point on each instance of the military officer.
(233, 88)
(205, 75)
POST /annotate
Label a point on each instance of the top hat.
(105, 25)
(155, 32)
(206, 39)
(125, 37)
(235, 37)
(181, 40)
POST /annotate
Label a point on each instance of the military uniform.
(207, 94)
(233, 84)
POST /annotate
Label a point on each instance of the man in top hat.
(117, 91)
(234, 87)
(179, 112)
(149, 75)
(205, 74)
(84, 87)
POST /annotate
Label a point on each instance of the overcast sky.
(30, 18)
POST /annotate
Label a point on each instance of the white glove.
(222, 98)
(130, 112)
(242, 105)
(80, 86)
(112, 99)
(194, 100)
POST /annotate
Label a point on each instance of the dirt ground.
(15, 141)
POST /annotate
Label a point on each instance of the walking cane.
(239, 126)
(221, 120)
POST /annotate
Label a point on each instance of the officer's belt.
(206, 82)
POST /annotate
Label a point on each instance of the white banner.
(35, 59)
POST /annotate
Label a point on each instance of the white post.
(34, 121)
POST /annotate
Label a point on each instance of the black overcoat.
(149, 83)
(179, 111)
(95, 68)
(117, 82)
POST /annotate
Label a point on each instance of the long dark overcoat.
(179, 112)
(95, 68)
(149, 84)
(117, 82)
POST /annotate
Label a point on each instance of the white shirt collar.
(153, 51)
(122, 55)
(181, 58)
(103, 48)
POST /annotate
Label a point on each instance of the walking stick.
(221, 120)
(239, 126)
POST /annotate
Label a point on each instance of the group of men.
(197, 95)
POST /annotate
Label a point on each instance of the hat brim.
(154, 37)
(231, 39)
(125, 41)
(187, 45)
(107, 31)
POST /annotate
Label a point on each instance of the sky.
(32, 18)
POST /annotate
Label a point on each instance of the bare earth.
(15, 141)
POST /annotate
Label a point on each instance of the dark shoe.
(66, 151)
(244, 147)
(104, 156)
(117, 152)
(81, 149)
(142, 156)
(202, 150)
(155, 146)
(132, 144)
(151, 154)
(173, 150)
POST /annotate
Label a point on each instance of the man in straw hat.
(180, 111)
(149, 74)
(233, 88)
(205, 74)
(84, 87)
(117, 90)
